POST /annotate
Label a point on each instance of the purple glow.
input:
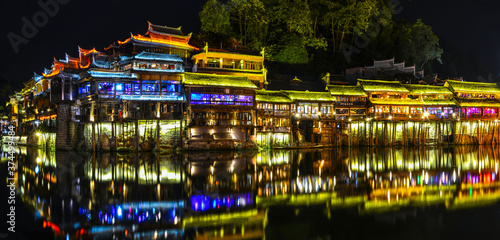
(204, 203)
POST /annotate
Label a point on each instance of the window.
(229, 63)
(434, 111)
(415, 110)
(150, 88)
(490, 111)
(342, 111)
(358, 111)
(84, 90)
(472, 111)
(253, 65)
(221, 99)
(213, 62)
(106, 88)
(381, 109)
(326, 109)
(400, 109)
(136, 88)
(123, 89)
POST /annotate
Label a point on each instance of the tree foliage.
(422, 45)
(249, 21)
(314, 31)
(215, 18)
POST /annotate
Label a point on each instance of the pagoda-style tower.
(158, 39)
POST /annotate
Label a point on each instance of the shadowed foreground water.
(339, 193)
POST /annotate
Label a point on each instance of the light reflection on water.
(246, 195)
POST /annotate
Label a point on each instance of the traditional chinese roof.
(56, 69)
(163, 36)
(37, 77)
(478, 103)
(164, 31)
(28, 86)
(309, 96)
(100, 64)
(214, 80)
(157, 41)
(85, 52)
(473, 87)
(272, 96)
(158, 56)
(427, 89)
(345, 90)
(381, 86)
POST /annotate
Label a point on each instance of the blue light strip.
(162, 204)
(159, 70)
(100, 74)
(158, 56)
(103, 229)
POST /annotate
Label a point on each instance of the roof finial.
(206, 48)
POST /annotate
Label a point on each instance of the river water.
(336, 193)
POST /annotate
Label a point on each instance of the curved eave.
(473, 87)
(381, 86)
(142, 39)
(52, 73)
(188, 36)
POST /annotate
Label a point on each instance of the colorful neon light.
(101, 74)
(204, 202)
(154, 97)
(158, 56)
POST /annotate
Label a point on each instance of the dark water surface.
(338, 193)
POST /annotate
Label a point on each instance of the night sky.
(470, 26)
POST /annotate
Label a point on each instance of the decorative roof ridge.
(169, 30)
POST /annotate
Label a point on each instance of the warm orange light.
(124, 42)
(55, 71)
(86, 51)
(82, 66)
(159, 40)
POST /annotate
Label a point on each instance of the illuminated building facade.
(476, 100)
(350, 102)
(312, 116)
(273, 119)
(159, 92)
(220, 107)
(225, 62)
(391, 100)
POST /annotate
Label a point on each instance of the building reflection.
(229, 195)
(222, 188)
